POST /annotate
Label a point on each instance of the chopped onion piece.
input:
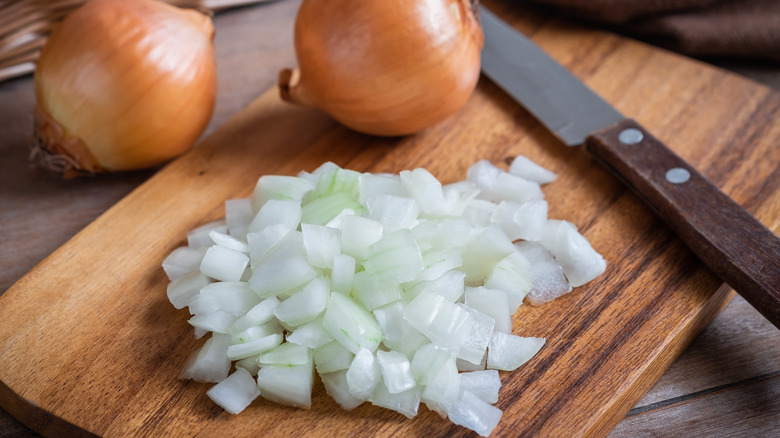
(363, 374)
(483, 174)
(523, 167)
(224, 264)
(521, 221)
(332, 357)
(376, 184)
(184, 288)
(375, 292)
(546, 275)
(228, 241)
(351, 324)
(181, 261)
(238, 216)
(283, 269)
(511, 275)
(474, 413)
(287, 385)
(305, 305)
(357, 234)
(236, 392)
(486, 247)
(425, 189)
(279, 187)
(312, 334)
(398, 334)
(484, 384)
(217, 321)
(507, 352)
(395, 257)
(443, 390)
(474, 335)
(406, 402)
(437, 318)
(285, 354)
(510, 187)
(428, 362)
(199, 237)
(253, 347)
(234, 297)
(258, 315)
(210, 363)
(394, 212)
(579, 261)
(337, 387)
(257, 332)
(493, 303)
(322, 244)
(342, 275)
(396, 371)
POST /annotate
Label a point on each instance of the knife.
(738, 248)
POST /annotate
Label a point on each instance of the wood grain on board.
(89, 343)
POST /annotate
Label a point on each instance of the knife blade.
(737, 247)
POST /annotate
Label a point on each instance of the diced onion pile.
(395, 288)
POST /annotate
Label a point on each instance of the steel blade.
(557, 98)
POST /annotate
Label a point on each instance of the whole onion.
(123, 85)
(385, 67)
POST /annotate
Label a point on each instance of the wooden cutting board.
(90, 345)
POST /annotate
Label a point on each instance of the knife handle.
(730, 241)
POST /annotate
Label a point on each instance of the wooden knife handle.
(729, 240)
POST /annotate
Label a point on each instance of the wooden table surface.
(727, 383)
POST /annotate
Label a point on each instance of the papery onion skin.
(124, 85)
(385, 67)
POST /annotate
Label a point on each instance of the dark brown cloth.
(733, 28)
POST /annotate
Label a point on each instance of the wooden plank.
(607, 342)
(703, 415)
(736, 347)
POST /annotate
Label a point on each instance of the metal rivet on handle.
(630, 136)
(678, 175)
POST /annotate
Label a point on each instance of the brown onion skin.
(125, 85)
(385, 67)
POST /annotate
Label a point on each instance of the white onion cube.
(396, 371)
(406, 402)
(546, 275)
(304, 305)
(224, 264)
(312, 334)
(253, 347)
(332, 357)
(425, 189)
(363, 374)
(507, 352)
(484, 384)
(287, 385)
(493, 303)
(321, 243)
(210, 363)
(580, 262)
(486, 247)
(283, 269)
(184, 288)
(523, 167)
(236, 392)
(474, 413)
(351, 324)
(182, 261)
(428, 362)
(336, 386)
(342, 275)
